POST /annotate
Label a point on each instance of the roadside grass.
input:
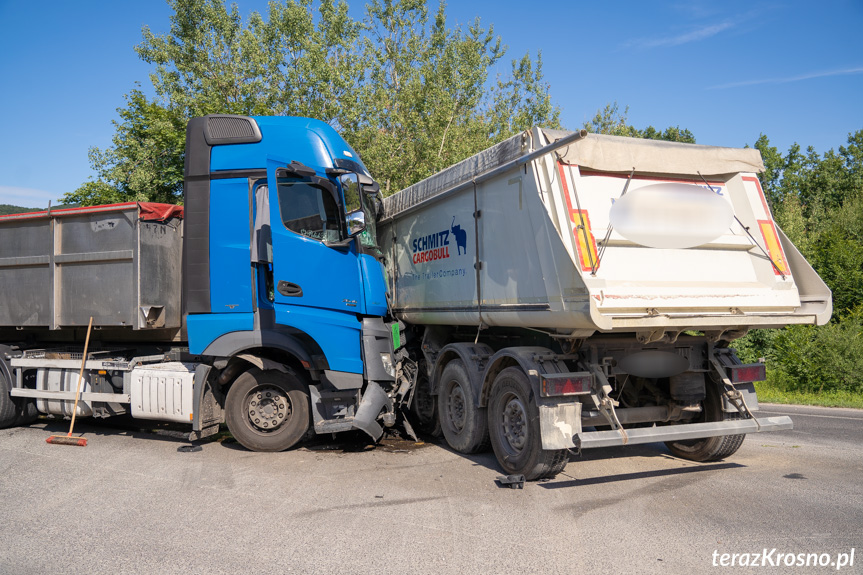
(773, 392)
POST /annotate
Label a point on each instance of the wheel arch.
(533, 361)
(242, 351)
(472, 355)
(293, 349)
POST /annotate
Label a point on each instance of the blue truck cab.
(282, 272)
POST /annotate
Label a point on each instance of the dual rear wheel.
(510, 423)
(513, 420)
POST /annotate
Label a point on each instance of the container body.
(119, 264)
(683, 239)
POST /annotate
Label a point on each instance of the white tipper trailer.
(564, 290)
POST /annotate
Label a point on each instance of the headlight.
(389, 366)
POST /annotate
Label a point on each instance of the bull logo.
(460, 236)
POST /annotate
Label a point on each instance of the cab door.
(306, 215)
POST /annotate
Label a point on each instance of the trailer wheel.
(424, 409)
(464, 425)
(709, 448)
(514, 429)
(267, 410)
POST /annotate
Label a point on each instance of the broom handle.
(81, 375)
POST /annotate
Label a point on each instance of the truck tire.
(14, 411)
(709, 448)
(424, 411)
(8, 410)
(464, 425)
(267, 410)
(513, 420)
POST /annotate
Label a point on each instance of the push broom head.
(67, 440)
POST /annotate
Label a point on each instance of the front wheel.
(267, 410)
(513, 422)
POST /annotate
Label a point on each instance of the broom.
(68, 439)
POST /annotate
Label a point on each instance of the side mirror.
(356, 223)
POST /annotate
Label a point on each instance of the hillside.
(6, 209)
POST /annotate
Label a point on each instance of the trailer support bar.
(683, 432)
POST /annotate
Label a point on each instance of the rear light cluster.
(566, 384)
(748, 373)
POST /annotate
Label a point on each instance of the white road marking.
(812, 415)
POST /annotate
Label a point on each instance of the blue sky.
(727, 71)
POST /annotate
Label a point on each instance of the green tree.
(409, 91)
(772, 174)
(612, 121)
(427, 102)
(145, 161)
(818, 202)
(6, 209)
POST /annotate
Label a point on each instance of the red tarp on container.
(159, 212)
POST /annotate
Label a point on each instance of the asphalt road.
(129, 502)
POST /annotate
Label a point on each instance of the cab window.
(309, 210)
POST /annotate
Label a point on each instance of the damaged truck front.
(564, 290)
(260, 303)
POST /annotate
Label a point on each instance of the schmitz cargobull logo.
(436, 246)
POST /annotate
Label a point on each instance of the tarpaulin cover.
(159, 212)
(619, 154)
(597, 152)
(456, 174)
(146, 211)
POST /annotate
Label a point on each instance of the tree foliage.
(411, 92)
(818, 201)
(428, 101)
(610, 120)
(145, 162)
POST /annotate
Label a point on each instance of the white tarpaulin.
(618, 154)
(596, 152)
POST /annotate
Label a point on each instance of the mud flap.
(374, 399)
(207, 414)
(558, 424)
